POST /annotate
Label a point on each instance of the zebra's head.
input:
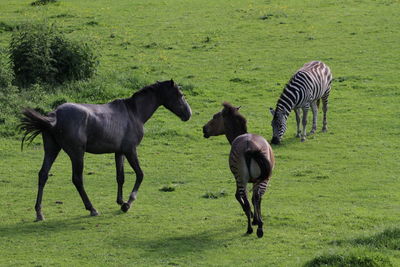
(278, 124)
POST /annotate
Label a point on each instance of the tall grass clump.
(42, 54)
(349, 259)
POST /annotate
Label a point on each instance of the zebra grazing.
(251, 160)
(307, 86)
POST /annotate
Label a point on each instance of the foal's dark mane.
(234, 122)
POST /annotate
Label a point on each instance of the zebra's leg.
(325, 109)
(314, 108)
(241, 196)
(297, 111)
(51, 150)
(134, 162)
(119, 164)
(304, 122)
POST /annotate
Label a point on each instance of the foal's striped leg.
(258, 192)
(241, 196)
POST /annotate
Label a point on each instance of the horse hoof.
(303, 139)
(249, 231)
(94, 212)
(39, 218)
(125, 207)
(324, 130)
(260, 232)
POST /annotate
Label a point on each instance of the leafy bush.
(6, 75)
(41, 53)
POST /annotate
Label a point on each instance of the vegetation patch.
(41, 53)
(167, 188)
(239, 80)
(6, 75)
(349, 260)
(389, 239)
(63, 15)
(354, 78)
(215, 194)
(189, 89)
(43, 2)
(92, 23)
(6, 27)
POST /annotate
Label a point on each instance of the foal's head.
(228, 121)
(172, 98)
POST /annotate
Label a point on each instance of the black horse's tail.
(262, 161)
(33, 123)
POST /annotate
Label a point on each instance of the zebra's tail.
(319, 100)
(32, 124)
(262, 161)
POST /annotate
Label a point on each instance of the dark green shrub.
(6, 75)
(41, 53)
(6, 27)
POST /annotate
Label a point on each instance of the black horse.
(115, 127)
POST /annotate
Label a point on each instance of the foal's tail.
(262, 161)
(33, 123)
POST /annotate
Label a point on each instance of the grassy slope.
(325, 194)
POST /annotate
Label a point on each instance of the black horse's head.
(173, 99)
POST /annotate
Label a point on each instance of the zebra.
(251, 160)
(307, 86)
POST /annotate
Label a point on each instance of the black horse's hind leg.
(134, 162)
(77, 179)
(119, 164)
(51, 150)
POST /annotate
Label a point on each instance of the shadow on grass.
(62, 225)
(177, 245)
(388, 238)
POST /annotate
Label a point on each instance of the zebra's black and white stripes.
(305, 89)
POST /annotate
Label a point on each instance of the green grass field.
(333, 200)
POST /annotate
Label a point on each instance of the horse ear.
(237, 108)
(172, 82)
(272, 111)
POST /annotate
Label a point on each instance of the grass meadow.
(333, 200)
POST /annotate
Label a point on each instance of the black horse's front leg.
(119, 164)
(134, 162)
